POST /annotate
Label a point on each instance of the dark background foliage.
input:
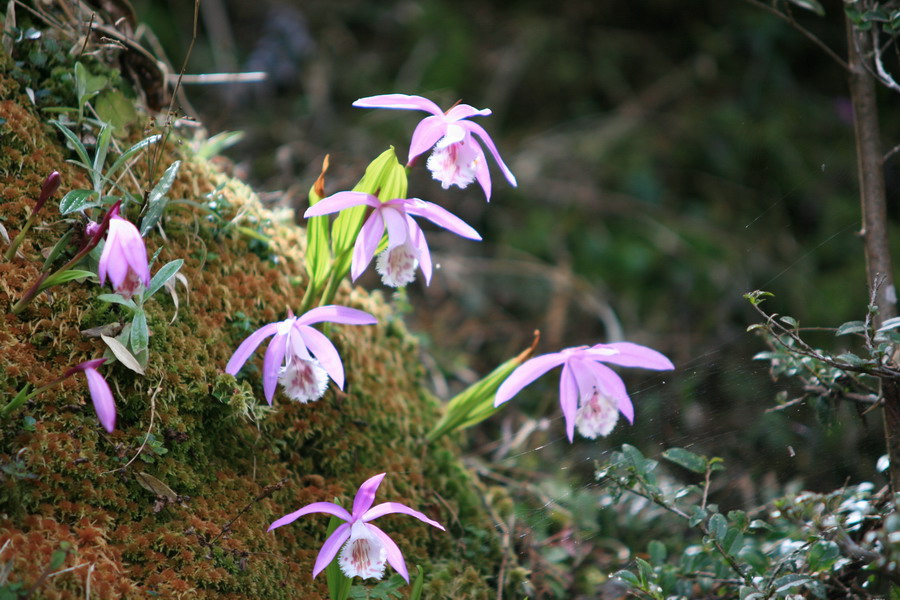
(671, 157)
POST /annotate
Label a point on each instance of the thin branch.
(803, 31)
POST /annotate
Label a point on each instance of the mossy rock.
(66, 483)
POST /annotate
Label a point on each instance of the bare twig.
(149, 429)
(267, 491)
(789, 19)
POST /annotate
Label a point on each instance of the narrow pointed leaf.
(66, 276)
(140, 334)
(122, 354)
(76, 200)
(157, 199)
(100, 157)
(73, 139)
(318, 254)
(348, 223)
(165, 273)
(117, 299)
(57, 250)
(418, 585)
(476, 403)
(126, 156)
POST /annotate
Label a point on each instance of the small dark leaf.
(851, 327)
(79, 200)
(789, 321)
(812, 5)
(718, 526)
(687, 459)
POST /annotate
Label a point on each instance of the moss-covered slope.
(64, 479)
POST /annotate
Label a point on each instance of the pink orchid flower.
(591, 394)
(303, 376)
(458, 158)
(365, 546)
(407, 247)
(124, 257)
(101, 395)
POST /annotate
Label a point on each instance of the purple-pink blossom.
(124, 257)
(101, 395)
(299, 357)
(458, 158)
(365, 546)
(406, 248)
(590, 393)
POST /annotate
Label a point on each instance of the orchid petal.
(389, 508)
(481, 133)
(331, 547)
(336, 314)
(395, 223)
(295, 345)
(103, 263)
(568, 399)
(453, 133)
(325, 352)
(102, 398)
(628, 354)
(612, 385)
(338, 202)
(526, 373)
(366, 244)
(423, 254)
(441, 217)
(132, 246)
(464, 111)
(426, 135)
(392, 552)
(316, 507)
(88, 364)
(482, 173)
(400, 102)
(272, 362)
(116, 265)
(248, 347)
(366, 495)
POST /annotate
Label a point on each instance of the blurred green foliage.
(671, 157)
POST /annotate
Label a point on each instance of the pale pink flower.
(591, 394)
(124, 257)
(406, 248)
(458, 158)
(365, 546)
(288, 361)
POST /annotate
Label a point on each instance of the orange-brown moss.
(63, 479)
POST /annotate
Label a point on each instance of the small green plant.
(815, 545)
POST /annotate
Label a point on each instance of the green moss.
(227, 459)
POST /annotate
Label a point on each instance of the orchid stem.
(11, 251)
(39, 286)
